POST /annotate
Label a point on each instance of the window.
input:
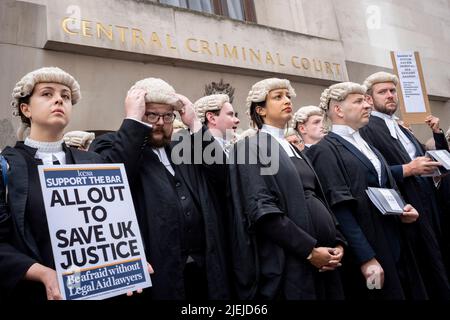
(235, 9)
(198, 5)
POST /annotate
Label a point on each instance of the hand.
(433, 123)
(420, 166)
(321, 256)
(188, 115)
(374, 274)
(135, 104)
(47, 276)
(336, 257)
(139, 291)
(409, 214)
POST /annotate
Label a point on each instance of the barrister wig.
(25, 86)
(209, 103)
(258, 94)
(24, 89)
(158, 91)
(177, 124)
(259, 90)
(339, 92)
(290, 132)
(380, 77)
(302, 115)
(79, 139)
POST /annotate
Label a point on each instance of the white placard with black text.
(96, 242)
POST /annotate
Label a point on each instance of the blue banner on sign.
(79, 177)
(91, 282)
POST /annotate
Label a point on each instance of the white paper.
(442, 156)
(390, 199)
(89, 209)
(410, 82)
(387, 201)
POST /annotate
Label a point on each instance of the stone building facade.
(109, 44)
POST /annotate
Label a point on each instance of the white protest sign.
(95, 236)
(410, 82)
(414, 103)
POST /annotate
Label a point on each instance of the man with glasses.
(178, 215)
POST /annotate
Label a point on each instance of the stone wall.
(345, 31)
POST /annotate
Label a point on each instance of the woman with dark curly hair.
(296, 247)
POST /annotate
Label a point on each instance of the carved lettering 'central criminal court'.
(231, 53)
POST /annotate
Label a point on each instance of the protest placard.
(413, 97)
(97, 246)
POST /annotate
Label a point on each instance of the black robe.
(444, 202)
(346, 173)
(267, 268)
(158, 210)
(421, 193)
(19, 248)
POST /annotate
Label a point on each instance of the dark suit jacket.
(18, 248)
(421, 194)
(158, 209)
(278, 269)
(346, 174)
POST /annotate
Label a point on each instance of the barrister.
(380, 263)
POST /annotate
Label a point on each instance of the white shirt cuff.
(145, 123)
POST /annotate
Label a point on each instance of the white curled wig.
(339, 92)
(213, 102)
(158, 91)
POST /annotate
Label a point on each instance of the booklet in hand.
(441, 156)
(388, 201)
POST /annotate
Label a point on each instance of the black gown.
(159, 198)
(419, 192)
(345, 174)
(324, 229)
(24, 235)
(321, 219)
(275, 214)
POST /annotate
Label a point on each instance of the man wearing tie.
(405, 154)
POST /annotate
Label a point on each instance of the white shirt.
(397, 133)
(160, 152)
(225, 144)
(355, 139)
(278, 134)
(162, 155)
(48, 152)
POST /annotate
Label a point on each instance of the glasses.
(154, 117)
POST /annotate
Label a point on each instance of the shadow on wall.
(7, 133)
